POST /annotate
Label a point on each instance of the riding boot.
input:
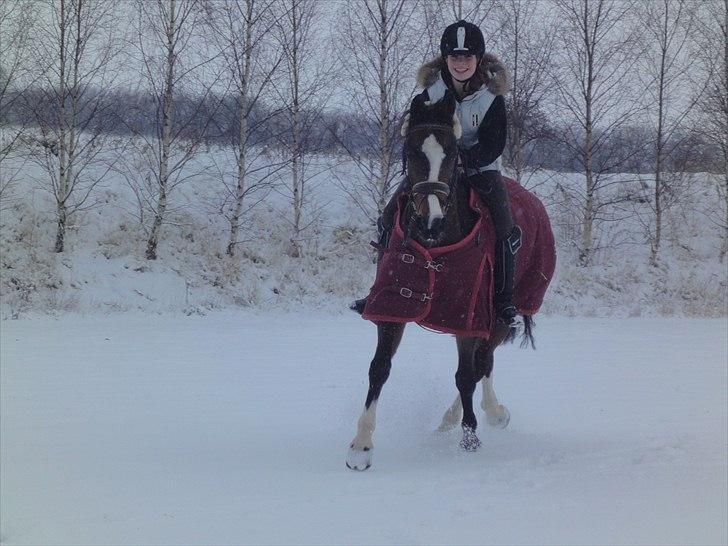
(385, 224)
(503, 272)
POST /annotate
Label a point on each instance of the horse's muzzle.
(435, 230)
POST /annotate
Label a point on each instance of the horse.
(437, 212)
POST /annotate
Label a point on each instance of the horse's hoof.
(470, 441)
(498, 417)
(359, 459)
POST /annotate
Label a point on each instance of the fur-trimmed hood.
(499, 79)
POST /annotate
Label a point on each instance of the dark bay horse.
(437, 213)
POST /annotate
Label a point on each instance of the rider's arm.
(492, 135)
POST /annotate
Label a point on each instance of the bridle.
(424, 188)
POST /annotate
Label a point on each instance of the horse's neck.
(460, 219)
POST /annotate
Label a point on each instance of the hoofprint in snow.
(232, 427)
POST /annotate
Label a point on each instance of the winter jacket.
(482, 114)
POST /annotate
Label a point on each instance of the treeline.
(598, 87)
(125, 113)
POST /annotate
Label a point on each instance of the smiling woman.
(461, 67)
(477, 80)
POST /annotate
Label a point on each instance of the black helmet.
(462, 38)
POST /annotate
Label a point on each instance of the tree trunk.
(659, 160)
(61, 228)
(517, 156)
(586, 250)
(384, 159)
(240, 184)
(587, 236)
(295, 249)
(242, 134)
(62, 191)
(153, 240)
(724, 248)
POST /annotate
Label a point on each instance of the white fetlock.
(498, 416)
(452, 416)
(361, 447)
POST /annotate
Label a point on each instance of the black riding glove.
(384, 231)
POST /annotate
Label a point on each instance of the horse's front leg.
(466, 378)
(389, 334)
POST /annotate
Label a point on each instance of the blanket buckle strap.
(434, 265)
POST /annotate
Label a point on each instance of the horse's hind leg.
(389, 334)
(497, 415)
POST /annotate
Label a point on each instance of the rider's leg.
(492, 191)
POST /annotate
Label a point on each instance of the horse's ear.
(417, 106)
(405, 125)
(456, 126)
(449, 102)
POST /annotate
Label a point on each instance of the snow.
(233, 428)
(103, 268)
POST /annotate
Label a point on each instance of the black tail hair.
(527, 336)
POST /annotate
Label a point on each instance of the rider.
(478, 80)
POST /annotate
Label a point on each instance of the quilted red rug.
(450, 288)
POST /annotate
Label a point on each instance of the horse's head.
(431, 132)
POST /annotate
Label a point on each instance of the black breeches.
(492, 191)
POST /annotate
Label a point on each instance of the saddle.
(450, 288)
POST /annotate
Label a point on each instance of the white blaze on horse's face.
(435, 211)
(435, 155)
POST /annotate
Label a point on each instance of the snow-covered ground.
(233, 428)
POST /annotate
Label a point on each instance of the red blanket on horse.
(450, 288)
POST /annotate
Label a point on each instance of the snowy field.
(233, 428)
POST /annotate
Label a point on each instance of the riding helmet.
(462, 38)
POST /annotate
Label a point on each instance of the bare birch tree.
(16, 20)
(668, 26)
(528, 42)
(712, 122)
(379, 39)
(169, 53)
(73, 53)
(239, 31)
(298, 90)
(593, 82)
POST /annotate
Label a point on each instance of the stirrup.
(508, 315)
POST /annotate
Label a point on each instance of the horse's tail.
(527, 334)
